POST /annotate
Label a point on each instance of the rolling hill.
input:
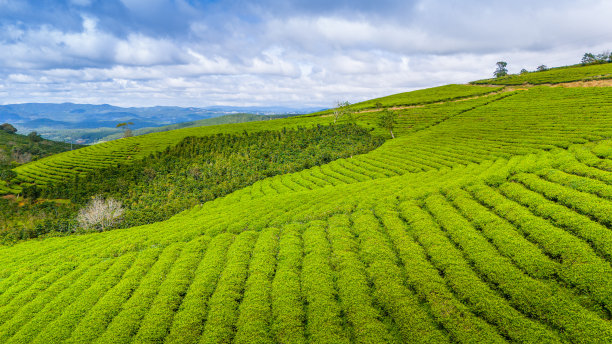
(487, 220)
(225, 119)
(17, 149)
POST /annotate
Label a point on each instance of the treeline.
(200, 169)
(590, 58)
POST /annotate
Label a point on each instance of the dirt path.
(591, 83)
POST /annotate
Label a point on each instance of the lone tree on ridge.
(501, 69)
(127, 132)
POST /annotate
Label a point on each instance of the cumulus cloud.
(295, 52)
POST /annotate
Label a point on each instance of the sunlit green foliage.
(489, 224)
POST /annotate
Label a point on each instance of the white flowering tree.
(100, 213)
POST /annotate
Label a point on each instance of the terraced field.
(78, 162)
(488, 220)
(512, 250)
(554, 76)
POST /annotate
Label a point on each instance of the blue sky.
(290, 53)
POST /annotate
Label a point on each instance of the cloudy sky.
(294, 53)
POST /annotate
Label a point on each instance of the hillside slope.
(488, 220)
(17, 149)
(506, 250)
(225, 119)
(554, 75)
(66, 166)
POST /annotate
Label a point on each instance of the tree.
(604, 57)
(588, 58)
(8, 128)
(524, 71)
(501, 69)
(127, 132)
(34, 137)
(100, 214)
(341, 109)
(542, 68)
(387, 121)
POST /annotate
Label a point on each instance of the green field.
(554, 75)
(487, 220)
(66, 166)
(225, 119)
(17, 149)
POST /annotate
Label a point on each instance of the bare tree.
(100, 214)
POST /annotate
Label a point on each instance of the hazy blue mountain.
(87, 123)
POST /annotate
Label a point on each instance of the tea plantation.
(487, 220)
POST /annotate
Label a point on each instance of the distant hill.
(84, 122)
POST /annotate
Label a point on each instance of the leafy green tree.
(588, 58)
(542, 68)
(387, 121)
(524, 71)
(604, 57)
(8, 128)
(501, 69)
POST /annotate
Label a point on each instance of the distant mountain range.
(87, 123)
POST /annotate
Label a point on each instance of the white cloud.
(302, 59)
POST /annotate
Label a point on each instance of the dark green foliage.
(34, 219)
(34, 137)
(501, 69)
(9, 128)
(200, 169)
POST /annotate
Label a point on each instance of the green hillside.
(555, 75)
(66, 166)
(16, 149)
(226, 119)
(487, 220)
